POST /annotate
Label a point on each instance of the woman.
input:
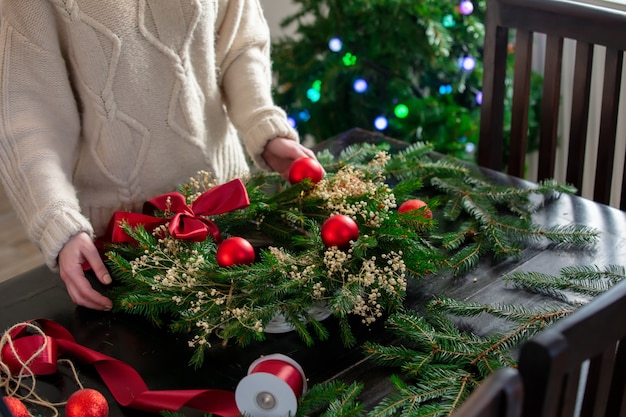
(105, 104)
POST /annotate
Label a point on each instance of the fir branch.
(612, 273)
(587, 280)
(360, 154)
(334, 398)
(552, 285)
(570, 234)
(441, 365)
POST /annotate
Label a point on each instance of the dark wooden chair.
(499, 395)
(577, 367)
(590, 23)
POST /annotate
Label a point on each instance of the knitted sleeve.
(39, 127)
(242, 52)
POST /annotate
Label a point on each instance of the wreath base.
(280, 325)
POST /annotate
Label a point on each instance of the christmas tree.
(410, 69)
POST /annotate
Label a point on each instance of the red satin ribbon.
(284, 371)
(189, 222)
(125, 384)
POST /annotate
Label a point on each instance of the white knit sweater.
(106, 103)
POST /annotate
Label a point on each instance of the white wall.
(275, 11)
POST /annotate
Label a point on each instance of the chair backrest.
(577, 367)
(590, 23)
(499, 395)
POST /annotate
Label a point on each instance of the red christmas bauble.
(87, 403)
(305, 168)
(16, 407)
(235, 251)
(411, 205)
(339, 230)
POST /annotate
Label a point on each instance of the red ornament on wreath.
(339, 230)
(235, 251)
(87, 402)
(16, 407)
(415, 204)
(305, 168)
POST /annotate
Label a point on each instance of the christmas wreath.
(343, 240)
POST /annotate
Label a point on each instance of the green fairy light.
(313, 95)
(401, 111)
(448, 21)
(317, 85)
(349, 59)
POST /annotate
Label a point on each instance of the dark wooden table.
(162, 358)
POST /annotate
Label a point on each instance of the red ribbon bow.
(189, 222)
(125, 384)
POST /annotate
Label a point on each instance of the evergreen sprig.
(179, 283)
(585, 280)
(439, 365)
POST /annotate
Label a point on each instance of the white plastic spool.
(270, 394)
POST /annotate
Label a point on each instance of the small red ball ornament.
(235, 251)
(305, 168)
(16, 407)
(339, 230)
(411, 205)
(87, 403)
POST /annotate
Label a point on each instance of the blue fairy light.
(292, 122)
(468, 63)
(360, 85)
(304, 115)
(381, 123)
(335, 44)
(479, 98)
(445, 89)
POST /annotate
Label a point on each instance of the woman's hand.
(78, 251)
(279, 153)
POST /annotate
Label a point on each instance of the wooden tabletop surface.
(162, 358)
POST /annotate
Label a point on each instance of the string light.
(304, 115)
(448, 21)
(401, 111)
(335, 44)
(313, 95)
(468, 63)
(349, 59)
(445, 89)
(466, 7)
(381, 123)
(479, 98)
(292, 122)
(360, 85)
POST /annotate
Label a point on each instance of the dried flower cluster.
(351, 189)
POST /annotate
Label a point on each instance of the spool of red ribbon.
(272, 388)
